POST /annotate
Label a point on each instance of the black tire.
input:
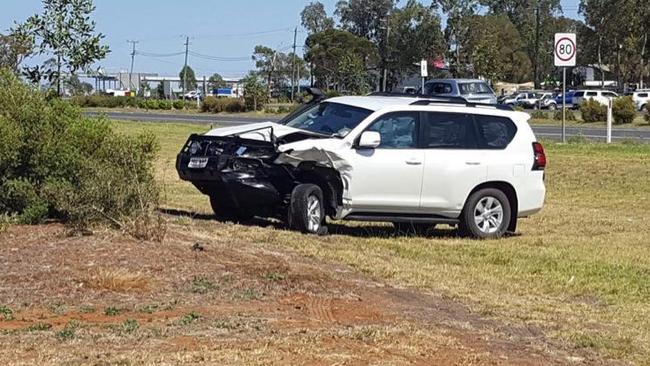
(225, 213)
(552, 107)
(406, 228)
(491, 227)
(303, 215)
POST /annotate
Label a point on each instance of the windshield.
(474, 88)
(329, 118)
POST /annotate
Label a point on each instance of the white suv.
(601, 96)
(412, 161)
(640, 98)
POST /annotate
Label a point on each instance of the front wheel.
(306, 210)
(486, 214)
(551, 107)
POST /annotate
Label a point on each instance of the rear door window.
(439, 88)
(449, 131)
(592, 94)
(494, 132)
(578, 94)
(643, 95)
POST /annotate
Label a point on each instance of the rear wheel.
(306, 210)
(486, 214)
(552, 107)
(407, 228)
(225, 213)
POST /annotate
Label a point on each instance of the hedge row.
(103, 101)
(217, 105)
(623, 111)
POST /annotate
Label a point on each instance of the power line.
(150, 54)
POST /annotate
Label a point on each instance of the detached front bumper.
(247, 184)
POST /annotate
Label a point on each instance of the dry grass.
(116, 279)
(579, 271)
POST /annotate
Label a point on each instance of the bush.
(593, 111)
(623, 110)
(165, 104)
(179, 104)
(56, 163)
(538, 115)
(217, 105)
(569, 115)
(647, 112)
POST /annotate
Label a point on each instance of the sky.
(217, 28)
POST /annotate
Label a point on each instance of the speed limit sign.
(565, 49)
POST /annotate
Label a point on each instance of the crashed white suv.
(413, 161)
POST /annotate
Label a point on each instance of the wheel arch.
(510, 192)
(330, 182)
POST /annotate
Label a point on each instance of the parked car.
(413, 161)
(193, 95)
(472, 90)
(640, 98)
(546, 101)
(601, 96)
(569, 98)
(526, 99)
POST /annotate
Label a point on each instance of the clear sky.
(221, 28)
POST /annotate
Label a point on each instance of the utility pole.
(385, 76)
(535, 65)
(133, 43)
(187, 50)
(293, 67)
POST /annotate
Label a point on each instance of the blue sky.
(221, 28)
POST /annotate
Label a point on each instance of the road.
(547, 131)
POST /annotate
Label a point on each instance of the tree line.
(373, 44)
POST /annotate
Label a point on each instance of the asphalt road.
(551, 132)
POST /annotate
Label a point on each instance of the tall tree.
(216, 81)
(458, 30)
(64, 31)
(341, 60)
(314, 18)
(78, 87)
(265, 58)
(14, 48)
(190, 83)
(416, 34)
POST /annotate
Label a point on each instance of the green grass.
(579, 270)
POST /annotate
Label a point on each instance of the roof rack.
(432, 99)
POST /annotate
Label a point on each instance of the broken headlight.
(240, 165)
(195, 147)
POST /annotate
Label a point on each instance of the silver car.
(472, 90)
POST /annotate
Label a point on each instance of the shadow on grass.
(334, 228)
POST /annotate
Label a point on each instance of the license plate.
(197, 163)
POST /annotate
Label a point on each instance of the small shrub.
(593, 111)
(623, 110)
(165, 105)
(6, 313)
(112, 311)
(647, 113)
(179, 104)
(274, 276)
(538, 115)
(39, 327)
(87, 309)
(68, 331)
(129, 326)
(570, 116)
(190, 318)
(209, 104)
(201, 285)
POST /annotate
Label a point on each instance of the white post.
(422, 90)
(564, 105)
(610, 105)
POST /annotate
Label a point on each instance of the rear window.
(494, 132)
(438, 88)
(449, 131)
(474, 88)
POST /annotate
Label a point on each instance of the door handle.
(413, 162)
(472, 163)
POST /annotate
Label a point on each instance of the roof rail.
(432, 99)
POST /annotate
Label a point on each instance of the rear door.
(388, 178)
(453, 163)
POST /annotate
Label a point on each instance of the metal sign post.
(565, 55)
(424, 72)
(610, 107)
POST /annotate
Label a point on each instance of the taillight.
(540, 156)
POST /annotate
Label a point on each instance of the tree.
(216, 81)
(77, 87)
(415, 35)
(190, 82)
(14, 48)
(255, 95)
(314, 18)
(264, 58)
(458, 29)
(341, 60)
(366, 18)
(64, 31)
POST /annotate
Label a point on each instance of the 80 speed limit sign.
(565, 49)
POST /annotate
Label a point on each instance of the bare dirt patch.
(109, 299)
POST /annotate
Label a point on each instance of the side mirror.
(369, 140)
